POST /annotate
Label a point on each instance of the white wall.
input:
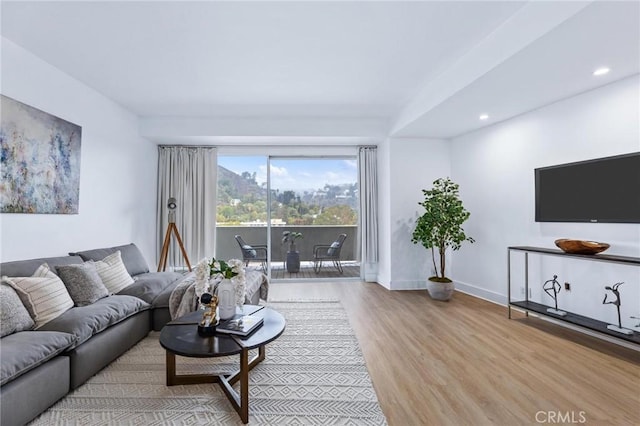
(118, 168)
(411, 166)
(494, 168)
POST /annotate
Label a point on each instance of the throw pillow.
(131, 257)
(14, 316)
(332, 250)
(249, 251)
(83, 283)
(113, 273)
(43, 294)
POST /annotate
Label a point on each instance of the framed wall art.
(40, 161)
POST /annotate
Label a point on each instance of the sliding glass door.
(314, 200)
(296, 216)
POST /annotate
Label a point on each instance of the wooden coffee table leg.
(171, 368)
(186, 379)
(240, 402)
(244, 385)
(252, 363)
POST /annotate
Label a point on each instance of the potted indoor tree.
(440, 227)
(293, 256)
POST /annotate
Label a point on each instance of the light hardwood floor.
(464, 363)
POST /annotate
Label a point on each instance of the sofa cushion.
(113, 273)
(43, 294)
(26, 350)
(83, 283)
(13, 315)
(150, 285)
(162, 300)
(85, 321)
(26, 268)
(131, 257)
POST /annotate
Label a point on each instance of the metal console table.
(575, 319)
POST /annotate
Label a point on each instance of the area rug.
(314, 374)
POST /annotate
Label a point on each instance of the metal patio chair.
(253, 253)
(331, 252)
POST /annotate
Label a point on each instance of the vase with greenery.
(440, 227)
(291, 237)
(293, 257)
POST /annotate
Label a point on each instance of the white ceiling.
(423, 69)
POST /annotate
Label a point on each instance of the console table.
(571, 318)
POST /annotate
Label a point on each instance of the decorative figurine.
(207, 326)
(548, 287)
(614, 290)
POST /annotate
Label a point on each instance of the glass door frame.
(269, 201)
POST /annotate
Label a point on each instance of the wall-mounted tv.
(604, 190)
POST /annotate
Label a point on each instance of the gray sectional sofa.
(38, 367)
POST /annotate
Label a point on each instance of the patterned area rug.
(313, 374)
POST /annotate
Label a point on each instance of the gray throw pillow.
(14, 316)
(332, 250)
(83, 283)
(249, 251)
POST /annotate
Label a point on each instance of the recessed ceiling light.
(601, 71)
(484, 116)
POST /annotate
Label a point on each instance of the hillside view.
(242, 201)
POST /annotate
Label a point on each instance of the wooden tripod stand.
(167, 240)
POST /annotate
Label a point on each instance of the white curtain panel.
(368, 229)
(189, 174)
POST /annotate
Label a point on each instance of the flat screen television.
(603, 190)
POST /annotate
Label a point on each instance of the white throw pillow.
(43, 294)
(113, 273)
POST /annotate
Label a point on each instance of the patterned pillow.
(113, 273)
(43, 294)
(83, 283)
(13, 315)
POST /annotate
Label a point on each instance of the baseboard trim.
(481, 293)
(408, 285)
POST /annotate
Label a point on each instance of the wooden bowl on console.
(581, 246)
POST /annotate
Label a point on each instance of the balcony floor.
(278, 271)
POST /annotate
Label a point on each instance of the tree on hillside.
(337, 215)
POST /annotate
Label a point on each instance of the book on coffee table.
(241, 324)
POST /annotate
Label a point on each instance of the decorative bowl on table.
(581, 246)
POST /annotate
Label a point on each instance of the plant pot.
(293, 262)
(441, 289)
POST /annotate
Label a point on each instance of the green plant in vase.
(291, 237)
(440, 227)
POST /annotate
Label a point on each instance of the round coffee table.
(180, 337)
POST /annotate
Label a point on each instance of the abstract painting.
(39, 161)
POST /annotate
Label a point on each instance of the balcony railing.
(228, 248)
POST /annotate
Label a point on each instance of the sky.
(296, 174)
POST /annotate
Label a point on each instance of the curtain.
(368, 229)
(189, 174)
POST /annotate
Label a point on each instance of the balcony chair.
(331, 252)
(253, 253)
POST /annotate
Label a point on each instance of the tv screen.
(604, 190)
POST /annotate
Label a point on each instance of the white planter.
(440, 291)
(226, 299)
